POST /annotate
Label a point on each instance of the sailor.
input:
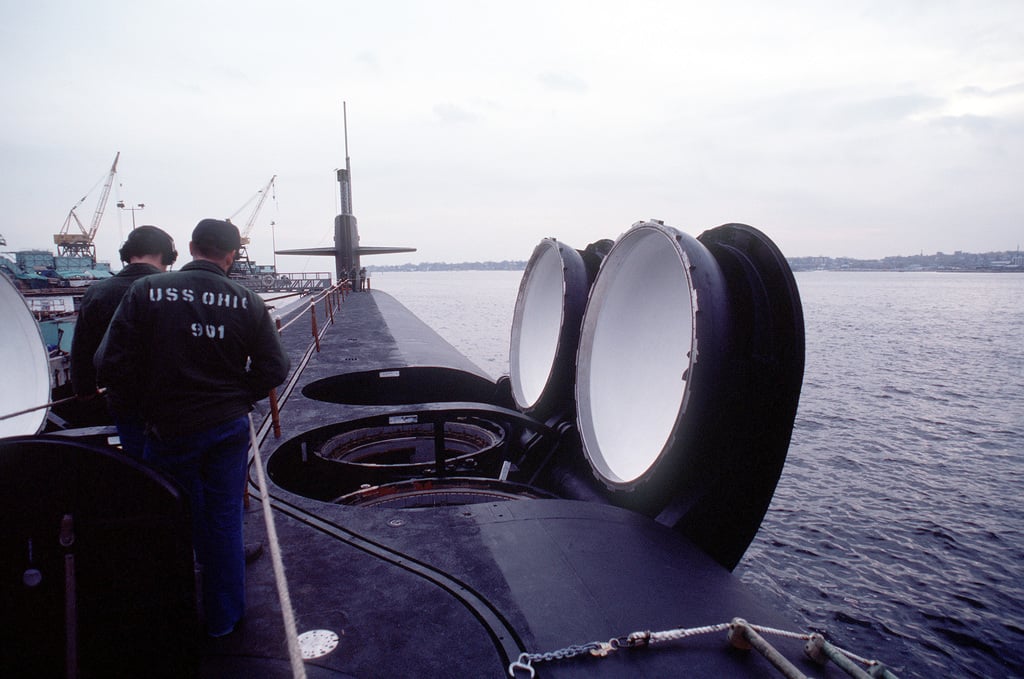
(147, 250)
(197, 350)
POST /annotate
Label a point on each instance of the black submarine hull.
(430, 525)
(448, 575)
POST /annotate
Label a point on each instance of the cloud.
(562, 82)
(368, 59)
(817, 120)
(1008, 90)
(453, 114)
(1017, 88)
(998, 105)
(890, 108)
(966, 123)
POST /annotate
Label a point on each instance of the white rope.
(294, 652)
(779, 632)
(46, 405)
(297, 318)
(675, 634)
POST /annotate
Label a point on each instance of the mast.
(346, 250)
(345, 176)
(346, 232)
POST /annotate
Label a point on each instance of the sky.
(475, 129)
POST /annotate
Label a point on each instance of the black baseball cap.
(149, 240)
(217, 234)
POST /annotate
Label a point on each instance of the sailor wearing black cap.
(196, 350)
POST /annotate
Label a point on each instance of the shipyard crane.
(81, 244)
(243, 265)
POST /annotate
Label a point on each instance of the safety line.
(294, 652)
(45, 405)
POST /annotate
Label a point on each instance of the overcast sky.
(860, 129)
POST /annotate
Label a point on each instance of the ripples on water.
(900, 493)
(897, 525)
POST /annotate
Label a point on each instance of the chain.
(526, 659)
(598, 649)
(601, 649)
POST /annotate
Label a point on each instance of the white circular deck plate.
(317, 643)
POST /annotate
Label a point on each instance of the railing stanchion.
(316, 335)
(275, 414)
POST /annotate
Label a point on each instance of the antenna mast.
(345, 176)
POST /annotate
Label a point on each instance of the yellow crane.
(243, 265)
(70, 244)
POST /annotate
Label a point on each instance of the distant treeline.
(504, 265)
(1007, 260)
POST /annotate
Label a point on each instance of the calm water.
(897, 526)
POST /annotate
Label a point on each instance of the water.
(470, 309)
(897, 525)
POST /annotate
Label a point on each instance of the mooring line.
(294, 652)
(45, 405)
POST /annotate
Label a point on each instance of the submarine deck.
(462, 590)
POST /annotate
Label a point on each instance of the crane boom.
(102, 204)
(243, 266)
(246, 230)
(81, 244)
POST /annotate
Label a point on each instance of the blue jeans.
(132, 432)
(210, 465)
